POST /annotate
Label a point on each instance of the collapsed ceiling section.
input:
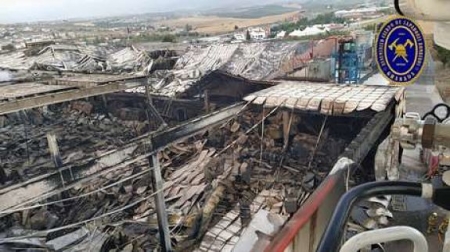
(328, 99)
(85, 59)
(216, 184)
(252, 61)
(170, 74)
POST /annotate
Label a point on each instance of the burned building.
(80, 151)
(253, 162)
(199, 80)
(222, 74)
(86, 59)
(74, 111)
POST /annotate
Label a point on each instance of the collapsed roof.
(171, 76)
(87, 59)
(253, 61)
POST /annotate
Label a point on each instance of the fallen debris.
(240, 170)
(80, 133)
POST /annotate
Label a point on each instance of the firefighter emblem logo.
(400, 51)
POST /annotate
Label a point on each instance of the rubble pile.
(264, 162)
(80, 133)
(207, 178)
(120, 206)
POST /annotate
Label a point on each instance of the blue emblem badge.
(400, 51)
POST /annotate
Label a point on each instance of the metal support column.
(151, 108)
(25, 118)
(163, 223)
(105, 105)
(54, 150)
(56, 155)
(206, 97)
(57, 161)
(340, 61)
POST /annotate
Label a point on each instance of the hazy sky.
(36, 10)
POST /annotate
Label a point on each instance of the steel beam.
(59, 97)
(358, 149)
(163, 223)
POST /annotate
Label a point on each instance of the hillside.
(255, 11)
(215, 24)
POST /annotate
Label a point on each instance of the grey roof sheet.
(329, 99)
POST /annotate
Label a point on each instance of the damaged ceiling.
(328, 99)
(252, 61)
(224, 172)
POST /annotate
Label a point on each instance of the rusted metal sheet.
(328, 99)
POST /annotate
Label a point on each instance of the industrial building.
(83, 129)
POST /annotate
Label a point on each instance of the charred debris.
(245, 165)
(234, 147)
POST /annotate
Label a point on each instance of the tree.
(188, 28)
(443, 55)
(169, 38)
(236, 27)
(247, 36)
(370, 27)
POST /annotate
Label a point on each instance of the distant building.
(310, 31)
(239, 36)
(257, 33)
(281, 35)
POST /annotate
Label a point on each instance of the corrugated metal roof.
(76, 58)
(26, 89)
(254, 61)
(329, 99)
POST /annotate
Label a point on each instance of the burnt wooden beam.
(307, 79)
(161, 211)
(206, 98)
(195, 126)
(70, 174)
(59, 97)
(150, 108)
